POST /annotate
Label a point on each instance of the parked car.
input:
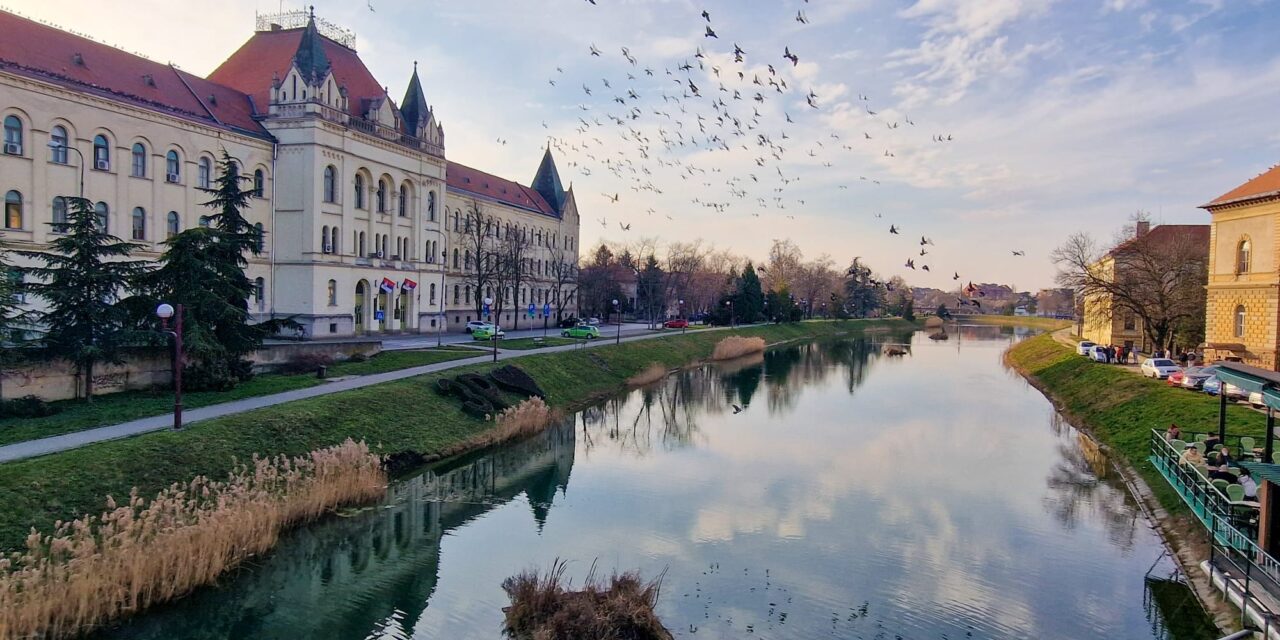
(676, 323)
(1085, 348)
(475, 324)
(487, 332)
(1098, 353)
(1159, 368)
(1212, 386)
(582, 331)
(569, 323)
(1175, 378)
(595, 322)
(1195, 377)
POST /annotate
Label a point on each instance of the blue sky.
(1064, 115)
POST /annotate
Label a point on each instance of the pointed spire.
(414, 107)
(310, 59)
(547, 182)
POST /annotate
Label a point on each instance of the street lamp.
(164, 312)
(54, 145)
(729, 303)
(493, 337)
(617, 311)
(680, 308)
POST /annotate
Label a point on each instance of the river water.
(855, 495)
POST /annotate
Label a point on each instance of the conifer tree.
(83, 274)
(749, 303)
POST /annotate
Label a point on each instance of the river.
(854, 495)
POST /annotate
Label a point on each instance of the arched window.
(13, 136)
(260, 237)
(104, 216)
(1242, 256)
(13, 209)
(455, 258)
(324, 239)
(431, 206)
(456, 226)
(139, 224)
(330, 182)
(467, 260)
(384, 246)
(433, 293)
(172, 166)
(59, 215)
(204, 222)
(205, 179)
(359, 191)
(362, 251)
(259, 291)
(333, 241)
(455, 294)
(172, 224)
(404, 201)
(1239, 321)
(467, 292)
(101, 153)
(381, 196)
(139, 166)
(333, 293)
(259, 183)
(58, 144)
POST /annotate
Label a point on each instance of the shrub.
(27, 407)
(216, 374)
(736, 346)
(307, 363)
(514, 379)
(358, 357)
(544, 607)
(88, 571)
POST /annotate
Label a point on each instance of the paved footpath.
(54, 444)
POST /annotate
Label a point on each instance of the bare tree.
(1159, 278)
(563, 265)
(480, 245)
(514, 268)
(684, 261)
(785, 265)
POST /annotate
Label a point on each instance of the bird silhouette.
(736, 409)
(710, 33)
(706, 16)
(911, 263)
(1019, 253)
(893, 230)
(625, 227)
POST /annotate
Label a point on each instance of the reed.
(94, 569)
(545, 606)
(525, 419)
(649, 375)
(736, 346)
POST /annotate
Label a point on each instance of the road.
(423, 341)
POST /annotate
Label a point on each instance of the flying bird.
(1019, 253)
(710, 33)
(893, 230)
(911, 264)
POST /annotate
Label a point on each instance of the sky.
(1063, 115)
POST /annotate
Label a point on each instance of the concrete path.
(54, 444)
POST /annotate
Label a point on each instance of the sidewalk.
(54, 444)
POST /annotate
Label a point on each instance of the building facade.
(1241, 314)
(364, 218)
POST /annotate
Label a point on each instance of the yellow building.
(1108, 323)
(1244, 275)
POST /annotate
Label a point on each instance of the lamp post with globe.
(493, 335)
(164, 312)
(618, 311)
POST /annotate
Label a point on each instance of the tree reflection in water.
(1084, 487)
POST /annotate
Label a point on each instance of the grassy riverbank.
(1034, 322)
(1120, 408)
(405, 415)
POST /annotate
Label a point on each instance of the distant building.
(1106, 322)
(363, 218)
(1244, 275)
(1055, 303)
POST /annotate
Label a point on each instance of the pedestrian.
(1133, 356)
(1224, 457)
(1191, 455)
(1211, 443)
(1173, 433)
(1250, 487)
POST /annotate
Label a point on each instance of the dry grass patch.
(94, 569)
(521, 421)
(736, 346)
(649, 375)
(543, 607)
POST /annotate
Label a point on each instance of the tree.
(82, 277)
(1159, 278)
(565, 274)
(10, 302)
(785, 264)
(651, 288)
(782, 307)
(942, 312)
(514, 270)
(748, 304)
(862, 290)
(479, 243)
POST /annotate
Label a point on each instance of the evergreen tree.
(651, 288)
(943, 312)
(749, 303)
(10, 309)
(80, 280)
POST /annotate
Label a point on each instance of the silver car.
(1194, 377)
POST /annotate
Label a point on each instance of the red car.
(1175, 379)
(676, 323)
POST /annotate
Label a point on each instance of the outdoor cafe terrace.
(1244, 533)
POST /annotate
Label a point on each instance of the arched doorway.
(380, 311)
(361, 303)
(402, 310)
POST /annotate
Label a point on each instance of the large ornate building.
(366, 223)
(1242, 315)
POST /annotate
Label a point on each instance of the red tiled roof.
(270, 54)
(49, 54)
(1268, 183)
(488, 186)
(1196, 234)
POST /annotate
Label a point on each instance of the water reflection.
(818, 490)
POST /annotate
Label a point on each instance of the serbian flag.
(408, 285)
(388, 285)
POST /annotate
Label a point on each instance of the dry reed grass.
(544, 608)
(652, 373)
(525, 419)
(736, 346)
(94, 569)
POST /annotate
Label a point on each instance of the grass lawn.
(131, 405)
(1120, 408)
(528, 343)
(1035, 322)
(399, 416)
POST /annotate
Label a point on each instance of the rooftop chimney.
(1143, 227)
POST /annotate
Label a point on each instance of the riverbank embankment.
(393, 418)
(1118, 410)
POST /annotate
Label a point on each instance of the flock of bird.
(691, 119)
